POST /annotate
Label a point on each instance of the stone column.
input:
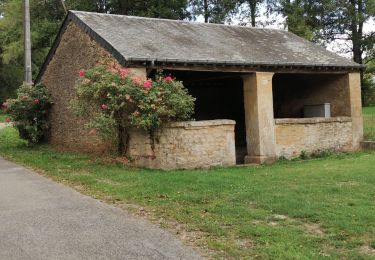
(354, 81)
(260, 123)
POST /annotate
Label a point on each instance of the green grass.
(328, 203)
(369, 123)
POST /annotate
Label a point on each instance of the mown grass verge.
(322, 208)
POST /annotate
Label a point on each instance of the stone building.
(253, 87)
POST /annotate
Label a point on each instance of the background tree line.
(323, 22)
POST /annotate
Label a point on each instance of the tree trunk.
(123, 7)
(253, 11)
(357, 30)
(357, 33)
(205, 9)
(121, 144)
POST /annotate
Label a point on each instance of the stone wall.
(187, 145)
(76, 51)
(310, 135)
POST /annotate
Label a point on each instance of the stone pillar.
(260, 123)
(354, 82)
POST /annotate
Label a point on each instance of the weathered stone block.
(185, 145)
(310, 135)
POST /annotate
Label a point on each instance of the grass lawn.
(323, 208)
(369, 123)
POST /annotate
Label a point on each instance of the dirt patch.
(278, 217)
(368, 250)
(314, 229)
(245, 243)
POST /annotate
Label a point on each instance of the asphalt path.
(42, 219)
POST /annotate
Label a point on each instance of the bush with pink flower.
(29, 112)
(118, 99)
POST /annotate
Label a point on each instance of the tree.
(250, 9)
(46, 19)
(327, 21)
(330, 20)
(170, 9)
(213, 11)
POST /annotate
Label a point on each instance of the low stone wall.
(185, 145)
(310, 135)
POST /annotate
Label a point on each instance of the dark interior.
(218, 96)
(291, 92)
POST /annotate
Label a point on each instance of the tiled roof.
(138, 39)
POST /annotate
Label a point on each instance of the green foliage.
(46, 19)
(170, 9)
(369, 123)
(368, 84)
(29, 111)
(117, 99)
(297, 21)
(329, 20)
(303, 155)
(212, 11)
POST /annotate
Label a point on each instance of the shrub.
(117, 99)
(29, 111)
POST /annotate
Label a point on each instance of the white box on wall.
(319, 110)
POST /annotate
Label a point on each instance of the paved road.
(41, 219)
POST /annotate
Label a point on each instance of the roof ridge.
(180, 21)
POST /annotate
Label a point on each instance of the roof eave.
(257, 65)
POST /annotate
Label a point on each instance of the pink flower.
(104, 106)
(36, 101)
(123, 72)
(8, 120)
(81, 73)
(168, 78)
(137, 80)
(5, 105)
(147, 84)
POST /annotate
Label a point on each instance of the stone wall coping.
(313, 120)
(203, 123)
